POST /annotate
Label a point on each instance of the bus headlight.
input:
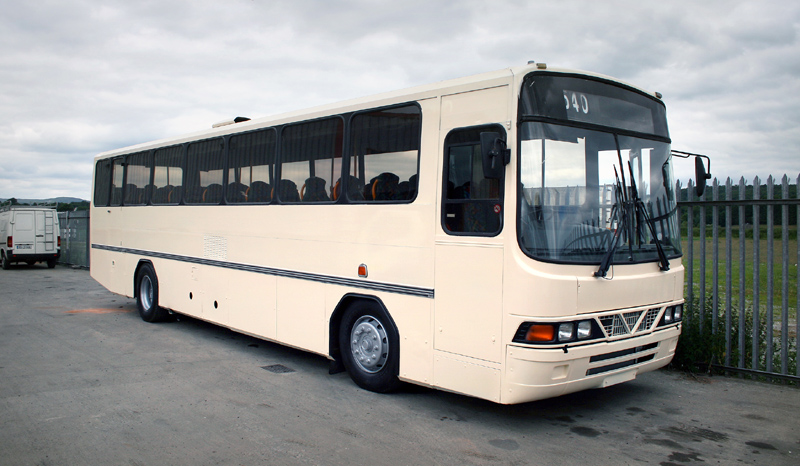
(565, 331)
(584, 329)
(672, 314)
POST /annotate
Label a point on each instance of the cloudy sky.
(80, 77)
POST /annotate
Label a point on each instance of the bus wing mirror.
(701, 175)
(495, 155)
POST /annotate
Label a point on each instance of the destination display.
(594, 102)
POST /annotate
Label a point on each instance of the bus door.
(469, 244)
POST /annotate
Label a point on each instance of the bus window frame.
(491, 127)
(350, 149)
(280, 156)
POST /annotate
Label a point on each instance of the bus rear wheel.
(369, 345)
(147, 295)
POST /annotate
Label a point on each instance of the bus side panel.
(301, 319)
(251, 299)
(469, 301)
(468, 376)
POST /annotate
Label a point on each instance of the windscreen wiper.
(620, 210)
(641, 210)
(625, 206)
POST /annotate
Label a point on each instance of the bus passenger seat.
(287, 191)
(385, 187)
(402, 191)
(212, 194)
(259, 191)
(354, 191)
(174, 196)
(314, 190)
(236, 192)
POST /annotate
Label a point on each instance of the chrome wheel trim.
(369, 344)
(146, 292)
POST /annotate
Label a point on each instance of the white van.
(29, 234)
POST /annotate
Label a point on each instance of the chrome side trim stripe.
(328, 279)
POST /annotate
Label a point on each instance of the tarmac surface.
(83, 381)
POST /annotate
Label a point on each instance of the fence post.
(742, 262)
(715, 261)
(756, 273)
(702, 263)
(770, 273)
(728, 273)
(785, 277)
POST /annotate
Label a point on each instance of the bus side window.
(204, 165)
(385, 157)
(137, 179)
(473, 204)
(167, 175)
(251, 163)
(311, 160)
(102, 181)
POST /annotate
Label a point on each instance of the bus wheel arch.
(145, 290)
(356, 320)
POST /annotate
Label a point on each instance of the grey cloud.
(81, 77)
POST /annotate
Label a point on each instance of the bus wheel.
(147, 296)
(369, 345)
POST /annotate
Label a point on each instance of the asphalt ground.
(83, 381)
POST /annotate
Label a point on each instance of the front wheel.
(147, 295)
(369, 345)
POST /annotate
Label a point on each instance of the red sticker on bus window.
(497, 208)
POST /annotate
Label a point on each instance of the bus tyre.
(147, 295)
(369, 345)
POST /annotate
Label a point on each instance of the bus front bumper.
(538, 373)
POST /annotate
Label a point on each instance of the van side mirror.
(701, 175)
(494, 154)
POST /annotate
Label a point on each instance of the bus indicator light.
(541, 332)
(362, 271)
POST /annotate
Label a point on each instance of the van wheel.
(6, 263)
(147, 295)
(369, 345)
(51, 263)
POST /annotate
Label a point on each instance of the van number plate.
(24, 246)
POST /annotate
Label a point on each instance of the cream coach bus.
(510, 236)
